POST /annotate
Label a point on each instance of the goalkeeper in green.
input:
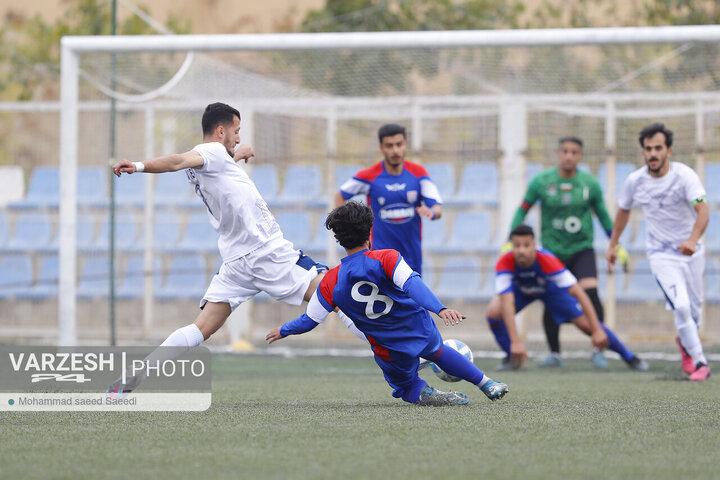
(568, 197)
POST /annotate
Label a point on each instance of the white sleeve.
(354, 187)
(693, 186)
(563, 278)
(625, 201)
(429, 190)
(214, 156)
(315, 310)
(503, 282)
(402, 273)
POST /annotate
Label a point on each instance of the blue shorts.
(562, 306)
(401, 370)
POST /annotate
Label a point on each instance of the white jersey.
(236, 210)
(667, 203)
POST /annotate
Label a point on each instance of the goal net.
(484, 112)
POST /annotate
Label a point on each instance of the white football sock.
(688, 333)
(189, 336)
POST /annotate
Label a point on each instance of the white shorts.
(681, 280)
(275, 268)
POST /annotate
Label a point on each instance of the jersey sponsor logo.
(395, 187)
(566, 187)
(552, 190)
(397, 213)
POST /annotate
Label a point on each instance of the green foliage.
(30, 49)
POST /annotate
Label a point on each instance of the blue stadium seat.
(712, 281)
(43, 189)
(532, 170)
(479, 184)
(46, 284)
(443, 176)
(132, 284)
(429, 273)
(712, 233)
(95, 278)
(4, 229)
(33, 232)
(130, 190)
(487, 289)
(344, 173)
(471, 232)
(266, 181)
(200, 236)
(641, 284)
(712, 179)
(126, 235)
(303, 186)
(433, 234)
(85, 236)
(296, 227)
(622, 170)
(15, 276)
(319, 242)
(92, 188)
(459, 279)
(166, 232)
(172, 189)
(186, 278)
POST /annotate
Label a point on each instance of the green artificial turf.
(334, 418)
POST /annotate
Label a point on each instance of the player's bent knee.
(212, 317)
(495, 308)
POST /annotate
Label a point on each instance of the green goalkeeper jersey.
(566, 211)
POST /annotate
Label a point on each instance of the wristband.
(139, 166)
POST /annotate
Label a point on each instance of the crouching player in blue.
(389, 304)
(527, 274)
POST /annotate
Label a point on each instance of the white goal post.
(512, 132)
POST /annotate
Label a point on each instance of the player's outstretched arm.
(451, 317)
(300, 325)
(167, 163)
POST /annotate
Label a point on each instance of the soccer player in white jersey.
(255, 255)
(673, 201)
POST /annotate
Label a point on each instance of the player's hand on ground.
(243, 152)
(274, 335)
(451, 317)
(123, 166)
(518, 354)
(425, 212)
(599, 339)
(688, 247)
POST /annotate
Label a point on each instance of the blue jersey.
(386, 300)
(546, 273)
(393, 199)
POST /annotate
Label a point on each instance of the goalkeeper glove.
(507, 247)
(622, 257)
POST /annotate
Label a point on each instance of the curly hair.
(351, 224)
(653, 129)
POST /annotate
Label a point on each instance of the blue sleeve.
(300, 325)
(418, 291)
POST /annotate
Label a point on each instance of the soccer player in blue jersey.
(389, 304)
(527, 274)
(399, 192)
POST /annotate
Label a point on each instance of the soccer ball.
(460, 347)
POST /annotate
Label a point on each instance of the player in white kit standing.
(255, 255)
(673, 201)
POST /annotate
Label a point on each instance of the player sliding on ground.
(389, 303)
(527, 274)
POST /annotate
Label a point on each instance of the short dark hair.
(655, 128)
(390, 130)
(522, 230)
(576, 140)
(351, 224)
(217, 114)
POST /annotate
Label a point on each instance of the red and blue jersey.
(385, 298)
(393, 199)
(546, 272)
